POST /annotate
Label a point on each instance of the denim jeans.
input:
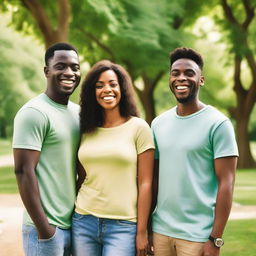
(92, 236)
(58, 245)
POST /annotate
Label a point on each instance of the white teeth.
(108, 98)
(67, 81)
(181, 87)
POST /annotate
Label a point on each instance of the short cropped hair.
(186, 53)
(92, 114)
(57, 47)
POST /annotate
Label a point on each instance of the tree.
(239, 23)
(47, 19)
(21, 74)
(137, 34)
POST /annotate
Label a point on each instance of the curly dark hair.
(92, 114)
(187, 53)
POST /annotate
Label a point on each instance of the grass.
(245, 187)
(5, 147)
(8, 181)
(240, 238)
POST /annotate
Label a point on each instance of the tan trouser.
(168, 246)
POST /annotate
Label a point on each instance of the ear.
(46, 71)
(202, 81)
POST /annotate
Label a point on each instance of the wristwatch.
(218, 242)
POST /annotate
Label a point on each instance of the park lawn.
(239, 238)
(8, 181)
(5, 147)
(245, 187)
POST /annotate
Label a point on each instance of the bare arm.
(25, 163)
(81, 175)
(145, 176)
(225, 171)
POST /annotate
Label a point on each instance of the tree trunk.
(50, 34)
(245, 156)
(146, 95)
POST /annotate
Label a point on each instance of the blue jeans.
(58, 245)
(92, 236)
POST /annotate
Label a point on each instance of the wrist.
(217, 241)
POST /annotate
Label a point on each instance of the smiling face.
(63, 75)
(108, 93)
(185, 80)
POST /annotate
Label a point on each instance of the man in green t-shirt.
(45, 142)
(196, 154)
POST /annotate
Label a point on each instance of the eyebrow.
(101, 82)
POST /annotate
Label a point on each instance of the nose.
(181, 77)
(107, 88)
(68, 71)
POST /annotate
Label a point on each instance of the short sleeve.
(224, 141)
(144, 138)
(30, 127)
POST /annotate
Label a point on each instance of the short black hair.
(57, 47)
(186, 53)
(92, 114)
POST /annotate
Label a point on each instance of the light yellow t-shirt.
(109, 156)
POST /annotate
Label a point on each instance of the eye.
(113, 85)
(98, 86)
(174, 73)
(190, 73)
(76, 68)
(60, 66)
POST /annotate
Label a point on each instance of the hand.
(142, 243)
(47, 233)
(150, 244)
(209, 249)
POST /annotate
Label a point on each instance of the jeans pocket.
(49, 239)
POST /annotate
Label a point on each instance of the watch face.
(218, 242)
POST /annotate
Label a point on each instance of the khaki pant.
(168, 246)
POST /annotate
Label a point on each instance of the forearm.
(223, 208)
(144, 206)
(29, 191)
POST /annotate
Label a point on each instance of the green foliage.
(8, 182)
(245, 187)
(5, 147)
(239, 238)
(21, 73)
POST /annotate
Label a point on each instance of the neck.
(185, 109)
(60, 99)
(113, 118)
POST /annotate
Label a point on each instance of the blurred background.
(139, 35)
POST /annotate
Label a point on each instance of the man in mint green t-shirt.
(45, 142)
(196, 155)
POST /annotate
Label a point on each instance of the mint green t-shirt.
(186, 147)
(53, 129)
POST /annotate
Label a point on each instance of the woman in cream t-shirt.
(116, 151)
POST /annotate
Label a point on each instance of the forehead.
(185, 64)
(64, 56)
(108, 75)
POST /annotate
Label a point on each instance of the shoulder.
(137, 121)
(32, 110)
(73, 106)
(163, 117)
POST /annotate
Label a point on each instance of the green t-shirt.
(186, 147)
(52, 129)
(109, 156)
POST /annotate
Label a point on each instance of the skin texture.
(63, 76)
(107, 85)
(185, 82)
